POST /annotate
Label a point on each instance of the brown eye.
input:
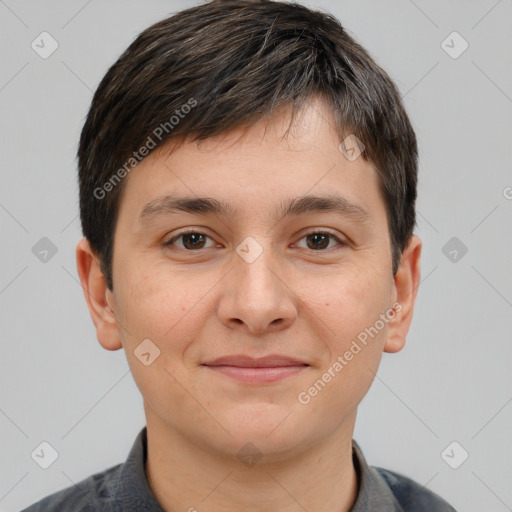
(191, 240)
(319, 240)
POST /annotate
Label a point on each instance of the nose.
(257, 296)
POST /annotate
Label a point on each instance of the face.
(253, 280)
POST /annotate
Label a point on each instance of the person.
(247, 184)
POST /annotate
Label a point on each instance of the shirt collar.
(132, 490)
(374, 492)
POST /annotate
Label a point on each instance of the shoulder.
(412, 496)
(85, 496)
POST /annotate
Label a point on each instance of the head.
(222, 121)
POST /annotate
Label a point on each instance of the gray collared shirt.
(124, 488)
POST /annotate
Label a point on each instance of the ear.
(99, 298)
(406, 283)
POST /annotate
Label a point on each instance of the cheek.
(163, 309)
(347, 303)
(156, 302)
(353, 346)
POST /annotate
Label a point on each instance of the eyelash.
(170, 242)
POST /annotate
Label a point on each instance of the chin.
(268, 426)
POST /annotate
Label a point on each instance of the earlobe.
(406, 282)
(98, 297)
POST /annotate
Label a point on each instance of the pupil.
(191, 236)
(317, 237)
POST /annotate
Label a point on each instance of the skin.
(197, 304)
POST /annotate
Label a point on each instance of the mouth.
(257, 370)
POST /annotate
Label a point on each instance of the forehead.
(270, 165)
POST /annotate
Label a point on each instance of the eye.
(195, 240)
(191, 240)
(319, 240)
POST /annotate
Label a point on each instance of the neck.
(186, 477)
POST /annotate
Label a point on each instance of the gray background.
(452, 382)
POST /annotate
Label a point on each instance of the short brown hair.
(231, 63)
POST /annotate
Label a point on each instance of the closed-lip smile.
(260, 370)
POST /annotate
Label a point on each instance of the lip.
(244, 361)
(261, 370)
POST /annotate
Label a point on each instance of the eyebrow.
(168, 204)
